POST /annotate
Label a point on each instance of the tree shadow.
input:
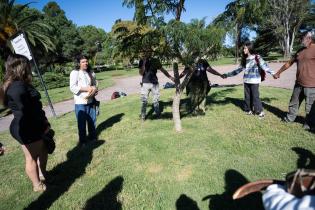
(186, 203)
(108, 123)
(107, 198)
(65, 174)
(224, 201)
(306, 158)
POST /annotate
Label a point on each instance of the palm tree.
(13, 19)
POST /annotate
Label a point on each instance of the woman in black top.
(29, 123)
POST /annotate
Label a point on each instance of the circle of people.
(30, 123)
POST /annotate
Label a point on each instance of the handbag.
(49, 141)
(261, 71)
(96, 105)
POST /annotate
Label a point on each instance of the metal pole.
(41, 79)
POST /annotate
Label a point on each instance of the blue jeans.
(86, 114)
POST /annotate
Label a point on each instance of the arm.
(142, 67)
(234, 72)
(276, 198)
(284, 67)
(186, 70)
(212, 71)
(265, 66)
(74, 87)
(167, 74)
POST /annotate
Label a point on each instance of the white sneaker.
(261, 115)
(249, 113)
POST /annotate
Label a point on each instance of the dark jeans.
(86, 114)
(299, 94)
(252, 100)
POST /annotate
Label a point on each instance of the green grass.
(222, 61)
(148, 166)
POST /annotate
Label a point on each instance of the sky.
(103, 13)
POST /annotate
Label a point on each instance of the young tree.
(175, 41)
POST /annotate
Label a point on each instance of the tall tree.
(285, 17)
(68, 41)
(238, 17)
(15, 18)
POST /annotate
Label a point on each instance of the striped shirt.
(251, 71)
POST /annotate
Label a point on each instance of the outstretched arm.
(212, 71)
(284, 67)
(186, 70)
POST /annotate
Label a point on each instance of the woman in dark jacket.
(29, 123)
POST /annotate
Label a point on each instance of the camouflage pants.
(146, 88)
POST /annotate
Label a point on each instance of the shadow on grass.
(224, 201)
(186, 203)
(107, 198)
(65, 174)
(306, 158)
(108, 123)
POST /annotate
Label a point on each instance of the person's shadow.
(306, 158)
(186, 203)
(107, 198)
(224, 201)
(108, 123)
(65, 174)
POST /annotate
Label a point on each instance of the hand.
(223, 76)
(276, 76)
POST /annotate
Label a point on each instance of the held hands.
(223, 76)
(276, 75)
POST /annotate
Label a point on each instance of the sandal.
(41, 187)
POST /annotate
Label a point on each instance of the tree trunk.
(176, 100)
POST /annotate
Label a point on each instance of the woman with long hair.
(29, 123)
(251, 63)
(83, 85)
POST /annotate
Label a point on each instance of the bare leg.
(42, 163)
(31, 153)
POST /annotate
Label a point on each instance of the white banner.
(20, 46)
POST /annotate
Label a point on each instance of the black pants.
(252, 100)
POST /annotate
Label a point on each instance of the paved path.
(130, 86)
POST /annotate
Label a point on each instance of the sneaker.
(249, 112)
(261, 115)
(306, 127)
(41, 187)
(286, 120)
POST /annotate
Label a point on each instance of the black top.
(200, 73)
(151, 67)
(29, 121)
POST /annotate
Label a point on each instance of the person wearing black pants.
(252, 100)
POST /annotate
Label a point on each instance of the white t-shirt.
(78, 79)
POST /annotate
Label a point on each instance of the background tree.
(15, 18)
(284, 18)
(68, 41)
(239, 17)
(92, 39)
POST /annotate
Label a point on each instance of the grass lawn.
(147, 165)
